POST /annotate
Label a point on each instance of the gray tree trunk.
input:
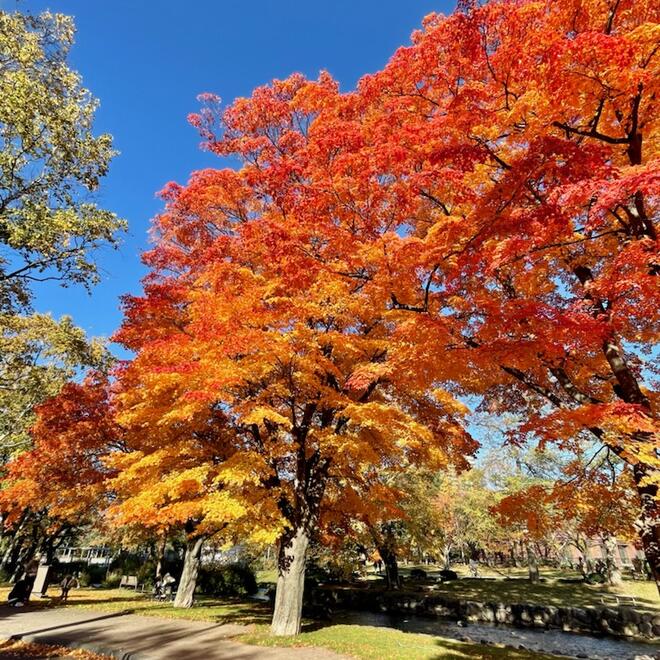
(532, 564)
(185, 593)
(611, 561)
(291, 562)
(446, 557)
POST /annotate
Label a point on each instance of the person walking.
(68, 583)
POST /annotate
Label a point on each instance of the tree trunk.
(648, 523)
(532, 564)
(185, 593)
(446, 557)
(161, 557)
(512, 552)
(611, 561)
(292, 557)
(10, 555)
(391, 566)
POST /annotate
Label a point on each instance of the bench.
(619, 600)
(128, 582)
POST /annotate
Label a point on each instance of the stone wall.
(616, 621)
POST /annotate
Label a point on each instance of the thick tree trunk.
(648, 524)
(611, 561)
(515, 554)
(185, 593)
(291, 562)
(532, 564)
(446, 557)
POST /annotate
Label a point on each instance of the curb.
(83, 646)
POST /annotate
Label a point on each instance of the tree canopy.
(476, 222)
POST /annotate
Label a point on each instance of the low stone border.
(622, 621)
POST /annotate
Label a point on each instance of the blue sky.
(148, 60)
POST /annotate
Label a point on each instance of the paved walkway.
(133, 637)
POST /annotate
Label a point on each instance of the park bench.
(128, 582)
(619, 600)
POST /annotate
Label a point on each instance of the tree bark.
(611, 561)
(161, 557)
(532, 564)
(185, 593)
(292, 557)
(628, 389)
(648, 524)
(446, 557)
(13, 548)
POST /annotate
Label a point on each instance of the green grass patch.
(512, 587)
(373, 643)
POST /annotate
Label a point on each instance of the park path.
(132, 637)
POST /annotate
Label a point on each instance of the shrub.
(112, 580)
(227, 580)
(447, 575)
(128, 563)
(417, 574)
(90, 575)
(595, 578)
(146, 573)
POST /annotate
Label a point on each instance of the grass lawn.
(512, 587)
(370, 643)
(130, 602)
(364, 642)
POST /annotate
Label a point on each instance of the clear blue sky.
(147, 60)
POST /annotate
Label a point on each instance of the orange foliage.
(63, 473)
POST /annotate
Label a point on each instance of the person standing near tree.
(30, 577)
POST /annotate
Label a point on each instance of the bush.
(227, 580)
(447, 575)
(128, 563)
(146, 573)
(112, 580)
(595, 578)
(90, 575)
(418, 574)
(5, 576)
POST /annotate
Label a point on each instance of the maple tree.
(38, 355)
(476, 219)
(585, 505)
(59, 485)
(296, 359)
(496, 188)
(167, 482)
